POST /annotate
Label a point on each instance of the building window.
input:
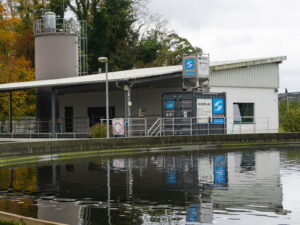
(96, 114)
(243, 112)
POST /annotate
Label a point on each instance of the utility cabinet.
(193, 113)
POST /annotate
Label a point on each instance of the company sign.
(118, 126)
(204, 110)
(203, 67)
(189, 64)
(218, 106)
(190, 67)
(169, 104)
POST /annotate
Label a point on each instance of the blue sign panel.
(218, 105)
(171, 177)
(189, 64)
(218, 120)
(220, 170)
(170, 104)
(189, 74)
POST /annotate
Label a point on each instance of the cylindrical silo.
(56, 56)
(56, 50)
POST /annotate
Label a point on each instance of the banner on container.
(204, 110)
(118, 126)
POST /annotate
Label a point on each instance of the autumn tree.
(14, 66)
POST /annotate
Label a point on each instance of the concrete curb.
(25, 220)
(14, 149)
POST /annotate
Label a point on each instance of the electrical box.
(193, 112)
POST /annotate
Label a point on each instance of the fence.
(137, 127)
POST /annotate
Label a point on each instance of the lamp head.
(102, 59)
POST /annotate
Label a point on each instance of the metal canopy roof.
(132, 75)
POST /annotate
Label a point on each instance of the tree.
(160, 48)
(14, 66)
(291, 120)
(119, 30)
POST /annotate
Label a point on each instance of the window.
(243, 112)
(95, 114)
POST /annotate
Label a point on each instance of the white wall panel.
(262, 76)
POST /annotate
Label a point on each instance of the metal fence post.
(173, 125)
(191, 125)
(160, 126)
(208, 128)
(145, 123)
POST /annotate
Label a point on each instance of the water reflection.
(186, 188)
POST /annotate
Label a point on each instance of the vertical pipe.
(126, 108)
(10, 112)
(129, 101)
(53, 116)
(107, 100)
(129, 109)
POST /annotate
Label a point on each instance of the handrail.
(154, 124)
(145, 126)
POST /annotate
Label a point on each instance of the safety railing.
(135, 127)
(59, 25)
(217, 125)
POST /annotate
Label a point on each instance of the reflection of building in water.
(253, 179)
(193, 182)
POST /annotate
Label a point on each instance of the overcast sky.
(240, 29)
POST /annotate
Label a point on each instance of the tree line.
(122, 30)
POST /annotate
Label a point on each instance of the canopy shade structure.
(135, 75)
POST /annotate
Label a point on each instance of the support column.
(53, 110)
(10, 129)
(126, 101)
(129, 103)
(129, 109)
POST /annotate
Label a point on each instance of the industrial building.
(69, 101)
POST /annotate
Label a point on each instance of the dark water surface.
(246, 187)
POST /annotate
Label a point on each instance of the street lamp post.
(105, 60)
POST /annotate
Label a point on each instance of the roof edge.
(247, 63)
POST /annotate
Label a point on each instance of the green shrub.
(291, 120)
(99, 130)
(2, 222)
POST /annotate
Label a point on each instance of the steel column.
(53, 110)
(10, 112)
(107, 99)
(129, 101)
(129, 109)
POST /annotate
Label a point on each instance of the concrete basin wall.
(58, 146)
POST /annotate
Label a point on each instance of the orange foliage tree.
(14, 65)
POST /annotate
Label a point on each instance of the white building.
(251, 88)
(68, 100)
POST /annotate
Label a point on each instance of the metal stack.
(195, 73)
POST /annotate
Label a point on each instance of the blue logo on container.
(218, 105)
(189, 64)
(189, 74)
(170, 104)
(218, 120)
(171, 177)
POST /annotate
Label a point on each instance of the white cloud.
(235, 29)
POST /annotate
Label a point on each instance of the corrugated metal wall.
(262, 76)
